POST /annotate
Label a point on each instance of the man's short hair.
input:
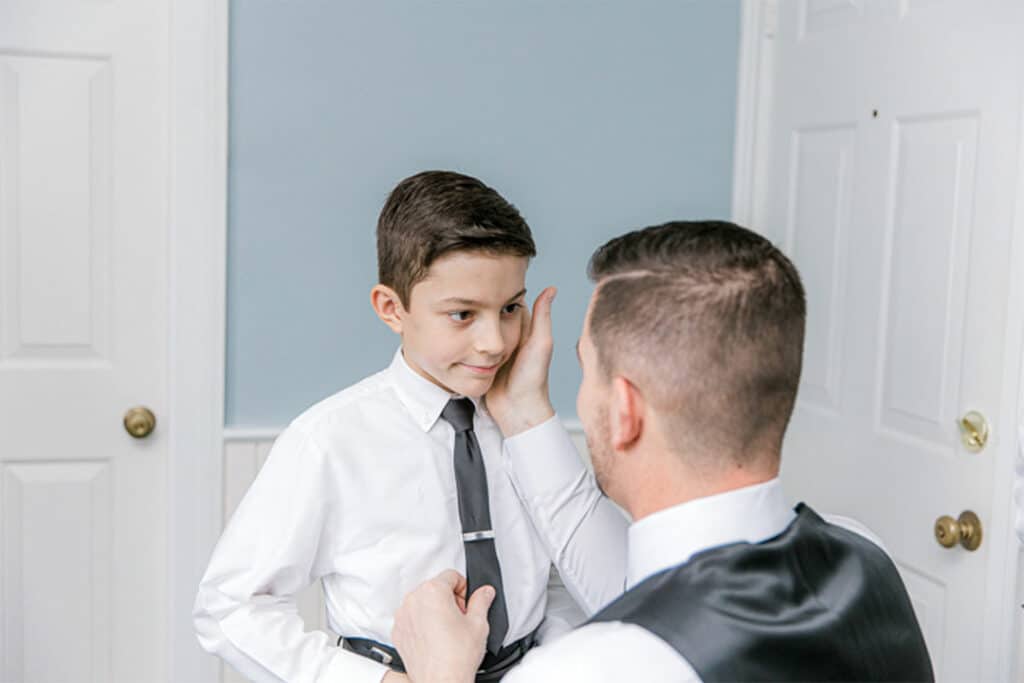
(434, 213)
(708, 319)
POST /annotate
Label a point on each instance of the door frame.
(754, 88)
(197, 267)
(1010, 576)
(1003, 649)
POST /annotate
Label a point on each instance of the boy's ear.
(626, 413)
(388, 307)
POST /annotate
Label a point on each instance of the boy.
(400, 476)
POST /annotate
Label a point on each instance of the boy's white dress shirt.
(611, 652)
(359, 491)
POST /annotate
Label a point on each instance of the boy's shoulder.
(373, 393)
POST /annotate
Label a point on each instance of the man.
(691, 353)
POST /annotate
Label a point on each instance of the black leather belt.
(492, 668)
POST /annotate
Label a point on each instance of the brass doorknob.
(966, 530)
(139, 422)
(974, 431)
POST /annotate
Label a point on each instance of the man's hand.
(439, 641)
(518, 400)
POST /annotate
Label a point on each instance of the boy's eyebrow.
(474, 302)
(520, 293)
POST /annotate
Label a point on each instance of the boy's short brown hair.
(437, 212)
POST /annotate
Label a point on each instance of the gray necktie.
(482, 567)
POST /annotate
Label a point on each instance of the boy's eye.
(511, 308)
(459, 316)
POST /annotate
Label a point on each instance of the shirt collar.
(422, 398)
(672, 536)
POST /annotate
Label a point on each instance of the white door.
(83, 337)
(891, 179)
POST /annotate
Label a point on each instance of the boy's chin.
(474, 388)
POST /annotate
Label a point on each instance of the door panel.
(924, 286)
(816, 233)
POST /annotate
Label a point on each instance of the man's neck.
(678, 487)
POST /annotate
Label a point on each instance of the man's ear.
(626, 413)
(388, 307)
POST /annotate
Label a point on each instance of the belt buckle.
(515, 652)
(385, 658)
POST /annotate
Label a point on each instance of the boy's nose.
(489, 340)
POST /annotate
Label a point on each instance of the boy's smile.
(483, 370)
(464, 320)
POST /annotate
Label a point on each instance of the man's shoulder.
(605, 651)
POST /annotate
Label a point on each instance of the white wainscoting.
(245, 451)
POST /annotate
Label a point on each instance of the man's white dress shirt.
(359, 492)
(616, 651)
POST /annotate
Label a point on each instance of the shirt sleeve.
(583, 531)
(561, 613)
(245, 611)
(607, 652)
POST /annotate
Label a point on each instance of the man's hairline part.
(599, 282)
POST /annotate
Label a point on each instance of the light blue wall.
(593, 117)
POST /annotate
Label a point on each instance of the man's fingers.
(540, 321)
(480, 602)
(460, 591)
(525, 326)
(453, 580)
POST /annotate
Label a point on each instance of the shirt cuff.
(348, 667)
(544, 459)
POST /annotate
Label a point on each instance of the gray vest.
(815, 603)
